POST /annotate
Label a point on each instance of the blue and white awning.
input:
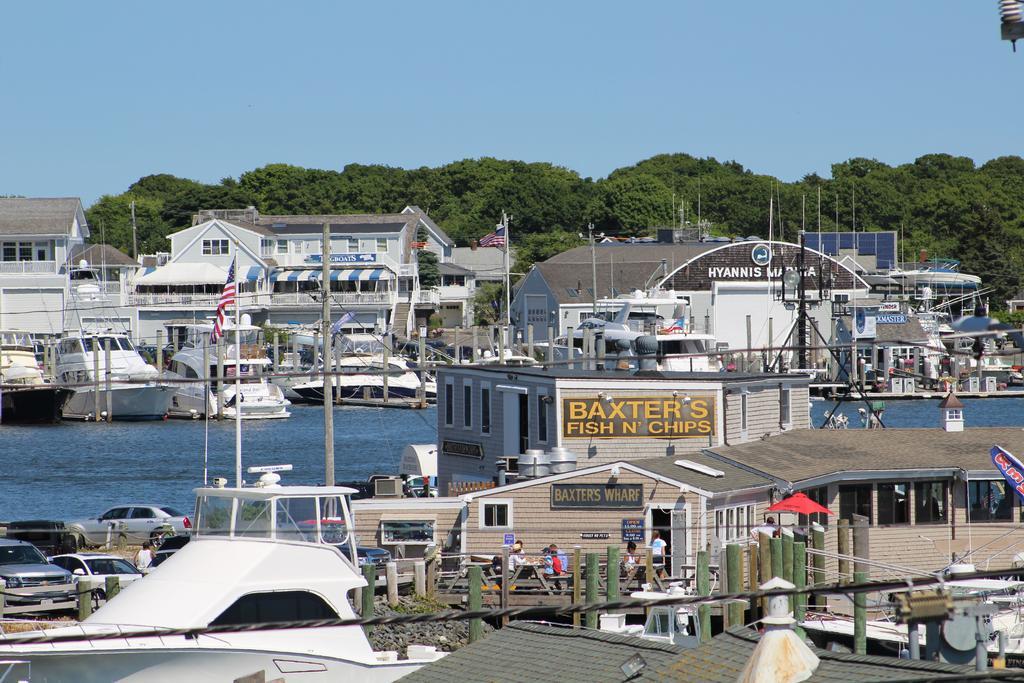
(350, 274)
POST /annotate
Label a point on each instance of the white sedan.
(94, 568)
(133, 523)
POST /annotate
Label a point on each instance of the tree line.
(944, 206)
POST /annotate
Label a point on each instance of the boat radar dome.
(83, 264)
(269, 474)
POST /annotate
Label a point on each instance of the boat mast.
(238, 378)
(328, 356)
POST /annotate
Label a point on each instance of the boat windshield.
(248, 336)
(308, 519)
(362, 343)
(16, 339)
(116, 343)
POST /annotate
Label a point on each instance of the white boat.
(259, 398)
(136, 392)
(264, 554)
(360, 372)
(26, 397)
(298, 362)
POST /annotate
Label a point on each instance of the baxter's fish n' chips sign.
(652, 417)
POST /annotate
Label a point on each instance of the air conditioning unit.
(389, 487)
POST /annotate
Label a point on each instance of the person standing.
(659, 550)
(144, 558)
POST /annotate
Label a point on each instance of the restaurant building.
(490, 415)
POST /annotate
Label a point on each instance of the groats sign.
(369, 257)
(652, 417)
(597, 495)
(1011, 468)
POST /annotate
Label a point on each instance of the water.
(79, 469)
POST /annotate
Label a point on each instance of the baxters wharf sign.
(629, 496)
(652, 417)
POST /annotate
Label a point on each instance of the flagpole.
(238, 379)
(508, 289)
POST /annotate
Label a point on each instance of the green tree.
(488, 303)
(430, 272)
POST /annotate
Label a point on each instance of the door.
(681, 540)
(510, 422)
(142, 523)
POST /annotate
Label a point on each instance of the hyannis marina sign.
(652, 417)
(597, 495)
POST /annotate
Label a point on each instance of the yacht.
(135, 391)
(26, 397)
(360, 373)
(678, 348)
(298, 362)
(261, 554)
(259, 398)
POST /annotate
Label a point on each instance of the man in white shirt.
(659, 549)
(144, 558)
(768, 527)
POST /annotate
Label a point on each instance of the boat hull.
(372, 387)
(37, 404)
(128, 402)
(195, 401)
(139, 664)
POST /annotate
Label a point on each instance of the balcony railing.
(426, 296)
(28, 267)
(345, 298)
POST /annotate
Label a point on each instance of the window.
(296, 519)
(413, 531)
(449, 403)
(954, 414)
(467, 405)
(10, 251)
(259, 608)
(116, 513)
(734, 523)
(820, 496)
(894, 504)
(930, 502)
(485, 410)
(215, 247)
(282, 246)
(382, 245)
(266, 247)
(105, 565)
(987, 501)
(855, 500)
(495, 514)
(542, 417)
(143, 513)
(785, 413)
(24, 251)
(253, 518)
(353, 245)
(214, 516)
(743, 412)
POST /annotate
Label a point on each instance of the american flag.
(495, 239)
(227, 298)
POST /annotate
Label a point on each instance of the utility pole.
(593, 262)
(325, 327)
(135, 246)
(802, 314)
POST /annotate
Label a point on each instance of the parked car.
(48, 535)
(31, 579)
(133, 523)
(167, 548)
(375, 556)
(96, 567)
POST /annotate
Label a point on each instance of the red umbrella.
(799, 503)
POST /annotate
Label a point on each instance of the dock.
(396, 402)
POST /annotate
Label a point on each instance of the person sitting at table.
(553, 567)
(629, 561)
(516, 557)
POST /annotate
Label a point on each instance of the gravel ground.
(445, 636)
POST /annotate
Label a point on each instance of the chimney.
(473, 244)
(780, 656)
(952, 414)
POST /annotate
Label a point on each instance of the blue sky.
(95, 95)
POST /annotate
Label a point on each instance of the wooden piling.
(843, 538)
(551, 345)
(3, 589)
(529, 340)
(860, 616)
(506, 578)
(112, 586)
(419, 578)
(476, 626)
(577, 584)
(776, 545)
(431, 568)
(370, 574)
(787, 561)
(704, 589)
(392, 578)
(612, 573)
(736, 607)
(277, 353)
(649, 566)
(107, 376)
(860, 526)
(593, 582)
(752, 567)
(818, 543)
(96, 378)
(84, 600)
(764, 556)
(800, 581)
(723, 583)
